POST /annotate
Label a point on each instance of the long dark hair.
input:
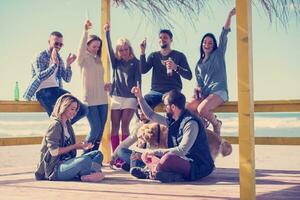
(95, 38)
(212, 36)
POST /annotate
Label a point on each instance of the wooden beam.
(105, 17)
(28, 140)
(232, 106)
(245, 99)
(232, 139)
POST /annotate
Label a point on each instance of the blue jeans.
(83, 165)
(125, 155)
(153, 98)
(48, 97)
(96, 116)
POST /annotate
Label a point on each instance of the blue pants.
(97, 116)
(125, 155)
(83, 165)
(48, 97)
(153, 98)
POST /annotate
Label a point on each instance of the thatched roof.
(276, 10)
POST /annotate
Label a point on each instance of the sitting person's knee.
(167, 158)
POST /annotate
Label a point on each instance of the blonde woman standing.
(92, 80)
(126, 73)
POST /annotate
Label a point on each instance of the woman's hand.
(84, 145)
(108, 87)
(197, 92)
(135, 156)
(232, 12)
(107, 27)
(88, 25)
(228, 20)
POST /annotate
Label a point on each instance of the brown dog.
(156, 136)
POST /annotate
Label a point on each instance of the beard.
(169, 115)
(163, 46)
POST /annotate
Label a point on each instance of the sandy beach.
(278, 177)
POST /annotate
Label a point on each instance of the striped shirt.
(42, 70)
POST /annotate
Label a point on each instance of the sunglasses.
(58, 44)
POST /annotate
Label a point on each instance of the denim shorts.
(223, 94)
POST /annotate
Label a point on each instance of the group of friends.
(175, 147)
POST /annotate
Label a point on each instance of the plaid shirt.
(41, 70)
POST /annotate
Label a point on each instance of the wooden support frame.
(105, 17)
(245, 99)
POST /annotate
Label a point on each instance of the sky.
(26, 25)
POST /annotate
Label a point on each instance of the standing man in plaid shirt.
(48, 70)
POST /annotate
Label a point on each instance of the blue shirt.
(41, 70)
(211, 75)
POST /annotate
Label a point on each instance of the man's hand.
(54, 58)
(137, 91)
(88, 25)
(143, 45)
(170, 64)
(71, 58)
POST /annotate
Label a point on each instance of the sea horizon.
(266, 124)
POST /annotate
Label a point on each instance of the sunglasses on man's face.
(58, 44)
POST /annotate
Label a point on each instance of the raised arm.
(83, 42)
(228, 20)
(226, 29)
(145, 66)
(149, 113)
(109, 45)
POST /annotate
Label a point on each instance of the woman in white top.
(93, 87)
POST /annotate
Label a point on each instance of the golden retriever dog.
(155, 135)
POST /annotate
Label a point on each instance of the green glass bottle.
(17, 92)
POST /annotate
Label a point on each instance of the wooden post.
(245, 99)
(105, 17)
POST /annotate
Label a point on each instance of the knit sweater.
(92, 75)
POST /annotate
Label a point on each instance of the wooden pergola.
(245, 94)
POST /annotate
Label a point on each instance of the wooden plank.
(245, 99)
(232, 139)
(28, 140)
(268, 140)
(105, 17)
(259, 106)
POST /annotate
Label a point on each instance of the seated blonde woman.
(58, 161)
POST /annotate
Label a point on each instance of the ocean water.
(266, 124)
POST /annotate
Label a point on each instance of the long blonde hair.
(62, 103)
(120, 43)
